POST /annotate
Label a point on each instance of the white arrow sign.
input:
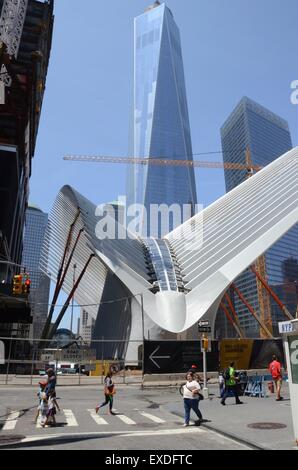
(203, 323)
(157, 357)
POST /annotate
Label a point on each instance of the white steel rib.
(211, 249)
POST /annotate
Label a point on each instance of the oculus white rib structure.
(183, 276)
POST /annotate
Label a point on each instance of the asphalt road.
(142, 421)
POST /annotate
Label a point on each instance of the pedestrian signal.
(17, 287)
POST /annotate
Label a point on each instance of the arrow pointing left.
(157, 357)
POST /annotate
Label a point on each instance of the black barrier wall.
(162, 357)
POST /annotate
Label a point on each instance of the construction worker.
(231, 379)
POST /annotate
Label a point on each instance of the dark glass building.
(36, 224)
(267, 136)
(161, 122)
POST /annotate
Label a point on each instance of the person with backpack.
(230, 377)
(275, 371)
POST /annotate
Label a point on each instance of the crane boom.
(158, 161)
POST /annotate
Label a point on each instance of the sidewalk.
(233, 420)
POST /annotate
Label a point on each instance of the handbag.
(201, 397)
(110, 390)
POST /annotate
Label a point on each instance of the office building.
(266, 135)
(34, 234)
(85, 325)
(160, 122)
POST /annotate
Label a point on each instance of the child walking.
(52, 405)
(44, 408)
(42, 386)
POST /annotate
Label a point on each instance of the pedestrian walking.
(191, 397)
(221, 382)
(276, 374)
(44, 408)
(42, 386)
(109, 392)
(231, 378)
(51, 381)
(52, 408)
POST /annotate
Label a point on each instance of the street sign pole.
(205, 389)
(204, 350)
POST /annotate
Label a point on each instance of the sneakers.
(279, 399)
(96, 409)
(222, 403)
(198, 422)
(239, 402)
(185, 425)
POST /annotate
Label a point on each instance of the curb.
(247, 442)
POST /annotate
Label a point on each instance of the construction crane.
(261, 273)
(162, 162)
(12, 21)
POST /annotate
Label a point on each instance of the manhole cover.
(266, 425)
(11, 439)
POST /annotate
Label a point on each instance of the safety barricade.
(255, 387)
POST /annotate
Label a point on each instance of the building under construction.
(25, 42)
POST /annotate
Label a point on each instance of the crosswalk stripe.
(124, 418)
(156, 419)
(11, 420)
(97, 419)
(70, 418)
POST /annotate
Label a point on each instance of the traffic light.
(17, 287)
(26, 286)
(205, 343)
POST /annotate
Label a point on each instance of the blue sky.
(230, 48)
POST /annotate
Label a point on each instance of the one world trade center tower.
(160, 121)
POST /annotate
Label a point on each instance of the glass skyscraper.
(267, 136)
(36, 223)
(160, 122)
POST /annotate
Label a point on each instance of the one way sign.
(203, 323)
(204, 326)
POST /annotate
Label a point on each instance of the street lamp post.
(143, 338)
(72, 300)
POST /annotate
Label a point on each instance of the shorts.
(51, 412)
